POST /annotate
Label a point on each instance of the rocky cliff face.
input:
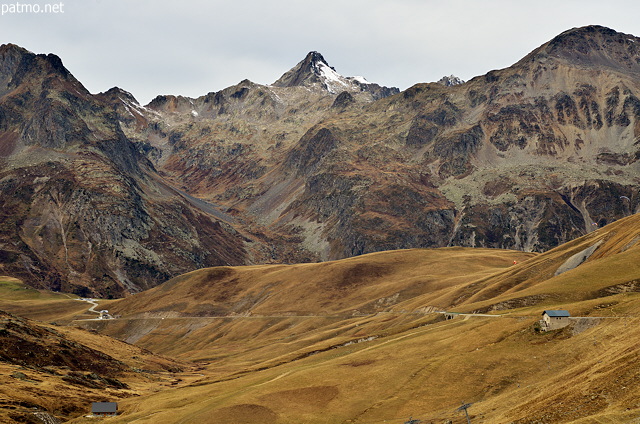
(315, 166)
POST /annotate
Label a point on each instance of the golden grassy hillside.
(362, 284)
(360, 341)
(218, 312)
(48, 369)
(509, 372)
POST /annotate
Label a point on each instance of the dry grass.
(360, 284)
(61, 370)
(511, 373)
(355, 341)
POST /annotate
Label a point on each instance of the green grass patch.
(12, 289)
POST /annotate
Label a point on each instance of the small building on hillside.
(104, 409)
(554, 319)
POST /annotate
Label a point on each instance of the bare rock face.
(307, 72)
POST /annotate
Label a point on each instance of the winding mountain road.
(92, 309)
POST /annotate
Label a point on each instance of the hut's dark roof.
(557, 313)
(104, 407)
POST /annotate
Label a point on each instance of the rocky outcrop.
(307, 156)
(450, 80)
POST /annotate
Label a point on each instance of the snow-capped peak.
(314, 71)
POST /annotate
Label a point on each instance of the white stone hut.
(554, 319)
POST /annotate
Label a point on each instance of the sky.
(193, 47)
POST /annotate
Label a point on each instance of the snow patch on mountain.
(333, 81)
(336, 83)
(133, 105)
(360, 79)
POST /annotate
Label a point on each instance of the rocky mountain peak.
(18, 64)
(312, 70)
(314, 60)
(586, 40)
(117, 93)
(10, 48)
(592, 46)
(315, 71)
(450, 80)
(592, 32)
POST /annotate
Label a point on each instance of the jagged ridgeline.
(103, 195)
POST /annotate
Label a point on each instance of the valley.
(324, 343)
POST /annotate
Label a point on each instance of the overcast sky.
(192, 47)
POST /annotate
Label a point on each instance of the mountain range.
(101, 195)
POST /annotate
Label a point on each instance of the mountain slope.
(526, 157)
(379, 350)
(56, 372)
(83, 210)
(102, 194)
